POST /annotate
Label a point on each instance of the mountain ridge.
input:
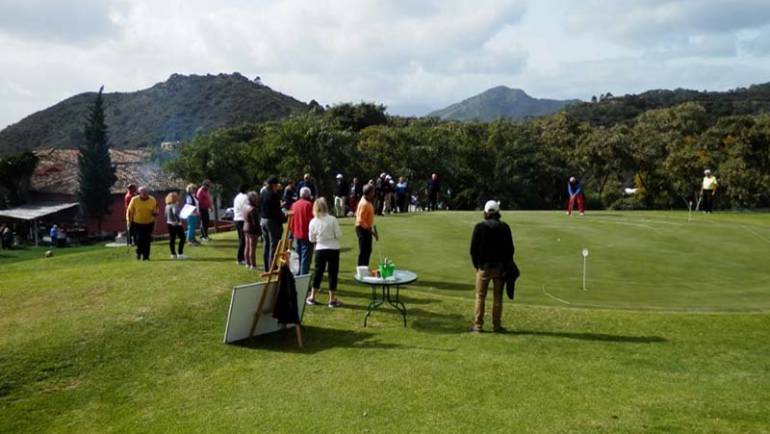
(500, 102)
(175, 109)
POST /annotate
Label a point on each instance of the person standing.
(302, 212)
(240, 201)
(575, 191)
(365, 225)
(130, 193)
(289, 195)
(356, 192)
(271, 219)
(54, 234)
(174, 226)
(141, 215)
(401, 195)
(379, 192)
(340, 193)
(491, 253)
(307, 181)
(6, 235)
(250, 215)
(204, 206)
(387, 194)
(434, 188)
(708, 191)
(324, 232)
(194, 217)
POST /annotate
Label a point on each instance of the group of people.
(708, 192)
(142, 210)
(315, 233)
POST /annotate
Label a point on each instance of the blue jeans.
(192, 225)
(305, 251)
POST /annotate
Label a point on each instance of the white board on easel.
(243, 304)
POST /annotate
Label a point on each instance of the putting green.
(637, 260)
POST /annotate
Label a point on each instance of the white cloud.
(413, 56)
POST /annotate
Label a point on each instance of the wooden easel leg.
(299, 335)
(275, 266)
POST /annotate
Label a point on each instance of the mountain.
(500, 102)
(175, 109)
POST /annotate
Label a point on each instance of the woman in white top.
(325, 233)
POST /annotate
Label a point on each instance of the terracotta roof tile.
(57, 171)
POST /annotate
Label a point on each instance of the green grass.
(671, 336)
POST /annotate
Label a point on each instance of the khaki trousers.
(483, 277)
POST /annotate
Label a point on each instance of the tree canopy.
(525, 164)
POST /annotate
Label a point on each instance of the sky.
(413, 56)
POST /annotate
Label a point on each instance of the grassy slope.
(93, 341)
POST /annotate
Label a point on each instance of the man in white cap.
(492, 253)
(708, 191)
(340, 193)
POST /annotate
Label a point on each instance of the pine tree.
(96, 173)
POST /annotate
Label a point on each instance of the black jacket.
(286, 309)
(270, 205)
(341, 188)
(491, 244)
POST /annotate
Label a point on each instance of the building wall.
(116, 221)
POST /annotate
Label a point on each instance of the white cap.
(492, 206)
(706, 172)
(572, 179)
(339, 176)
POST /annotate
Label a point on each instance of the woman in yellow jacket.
(140, 215)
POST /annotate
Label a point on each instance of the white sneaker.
(181, 257)
(240, 262)
(173, 256)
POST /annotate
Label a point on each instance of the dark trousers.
(322, 259)
(364, 245)
(271, 234)
(205, 222)
(143, 239)
(708, 200)
(401, 202)
(433, 204)
(175, 232)
(241, 241)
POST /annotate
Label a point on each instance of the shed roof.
(32, 211)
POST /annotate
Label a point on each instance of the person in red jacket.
(302, 211)
(204, 205)
(130, 193)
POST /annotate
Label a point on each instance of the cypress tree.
(96, 174)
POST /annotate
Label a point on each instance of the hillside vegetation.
(176, 109)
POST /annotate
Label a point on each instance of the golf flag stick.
(697, 206)
(377, 238)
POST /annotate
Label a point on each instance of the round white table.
(399, 277)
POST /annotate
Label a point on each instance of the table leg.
(374, 303)
(397, 303)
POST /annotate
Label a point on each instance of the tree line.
(525, 164)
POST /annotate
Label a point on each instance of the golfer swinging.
(575, 191)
